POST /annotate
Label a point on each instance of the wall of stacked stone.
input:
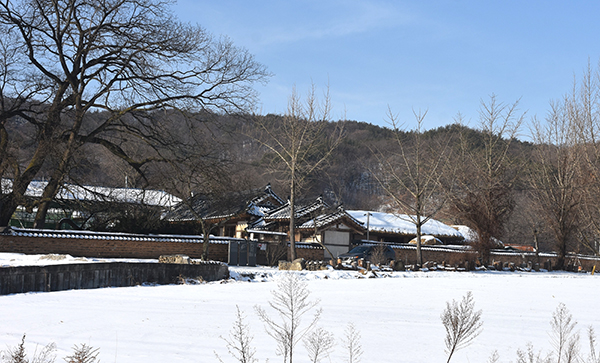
(309, 253)
(152, 248)
(547, 260)
(96, 275)
(407, 254)
(544, 260)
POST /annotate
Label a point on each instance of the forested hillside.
(221, 151)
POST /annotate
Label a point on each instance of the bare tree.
(290, 302)
(531, 356)
(126, 58)
(556, 182)
(352, 345)
(593, 357)
(239, 342)
(462, 323)
(299, 144)
(494, 358)
(480, 194)
(18, 354)
(411, 174)
(319, 345)
(83, 354)
(583, 106)
(563, 338)
(201, 180)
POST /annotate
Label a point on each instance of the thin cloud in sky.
(440, 55)
(338, 19)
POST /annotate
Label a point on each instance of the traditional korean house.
(78, 204)
(229, 215)
(316, 222)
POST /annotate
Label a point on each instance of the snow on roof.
(427, 240)
(301, 210)
(100, 194)
(330, 218)
(402, 224)
(469, 234)
(260, 231)
(118, 236)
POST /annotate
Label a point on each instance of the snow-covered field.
(398, 315)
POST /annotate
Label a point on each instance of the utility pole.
(368, 214)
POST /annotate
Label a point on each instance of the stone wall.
(309, 253)
(96, 275)
(110, 246)
(107, 245)
(113, 245)
(407, 254)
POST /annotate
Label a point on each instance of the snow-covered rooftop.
(402, 224)
(330, 218)
(469, 234)
(100, 194)
(301, 210)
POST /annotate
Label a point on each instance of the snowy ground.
(19, 259)
(398, 315)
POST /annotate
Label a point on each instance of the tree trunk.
(419, 254)
(292, 227)
(293, 214)
(22, 181)
(205, 245)
(561, 252)
(59, 173)
(3, 144)
(205, 239)
(53, 186)
(8, 205)
(484, 248)
(48, 195)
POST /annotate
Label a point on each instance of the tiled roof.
(301, 210)
(75, 234)
(328, 219)
(254, 202)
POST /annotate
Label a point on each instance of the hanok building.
(80, 203)
(315, 222)
(262, 216)
(228, 215)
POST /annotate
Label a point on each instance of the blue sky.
(439, 56)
